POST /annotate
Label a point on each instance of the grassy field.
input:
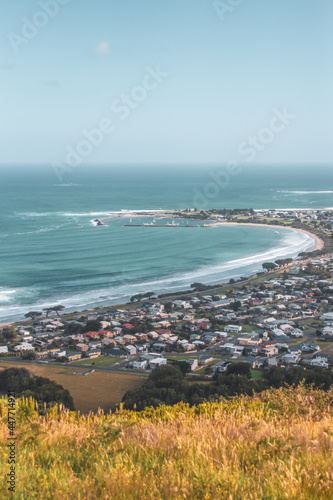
(104, 361)
(276, 446)
(257, 374)
(100, 389)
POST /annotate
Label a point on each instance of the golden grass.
(100, 389)
(277, 445)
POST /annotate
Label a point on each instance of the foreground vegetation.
(276, 445)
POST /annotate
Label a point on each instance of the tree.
(92, 326)
(41, 389)
(239, 369)
(57, 309)
(269, 266)
(183, 366)
(33, 314)
(48, 310)
(9, 333)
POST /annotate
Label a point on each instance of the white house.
(221, 334)
(24, 347)
(154, 363)
(140, 364)
(319, 362)
(233, 329)
(291, 359)
(297, 333)
(3, 349)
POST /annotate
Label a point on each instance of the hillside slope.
(278, 445)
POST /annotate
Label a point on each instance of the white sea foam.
(304, 192)
(6, 295)
(291, 245)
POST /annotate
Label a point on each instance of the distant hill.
(276, 445)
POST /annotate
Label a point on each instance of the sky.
(182, 81)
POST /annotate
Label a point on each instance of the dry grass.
(100, 389)
(277, 445)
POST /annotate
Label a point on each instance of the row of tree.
(167, 384)
(36, 314)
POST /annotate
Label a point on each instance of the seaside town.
(282, 316)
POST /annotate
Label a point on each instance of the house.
(272, 362)
(233, 329)
(172, 340)
(106, 333)
(204, 325)
(258, 363)
(198, 343)
(159, 346)
(93, 353)
(204, 359)
(60, 354)
(154, 363)
(141, 336)
(24, 332)
(116, 352)
(42, 355)
(220, 367)
(152, 335)
(92, 335)
(296, 333)
(81, 347)
(269, 351)
(221, 335)
(291, 359)
(24, 347)
(249, 340)
(128, 338)
(3, 349)
(128, 326)
(131, 349)
(109, 342)
(140, 364)
(319, 362)
(327, 331)
(163, 331)
(232, 349)
(73, 357)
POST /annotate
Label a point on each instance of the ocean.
(50, 252)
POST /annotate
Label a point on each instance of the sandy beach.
(319, 241)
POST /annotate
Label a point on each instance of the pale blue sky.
(225, 79)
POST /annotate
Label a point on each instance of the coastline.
(319, 244)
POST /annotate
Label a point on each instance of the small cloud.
(6, 67)
(52, 83)
(102, 49)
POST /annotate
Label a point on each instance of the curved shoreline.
(319, 244)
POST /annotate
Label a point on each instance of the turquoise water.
(51, 253)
